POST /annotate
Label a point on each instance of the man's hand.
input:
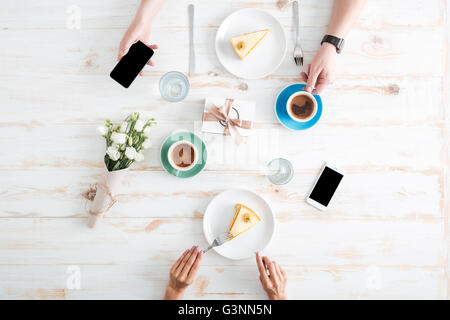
(322, 70)
(183, 273)
(273, 278)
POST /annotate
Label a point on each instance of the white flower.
(101, 130)
(139, 156)
(139, 125)
(130, 153)
(119, 138)
(113, 153)
(147, 144)
(123, 127)
(147, 131)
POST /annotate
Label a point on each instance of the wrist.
(173, 293)
(333, 41)
(328, 47)
(142, 19)
(277, 297)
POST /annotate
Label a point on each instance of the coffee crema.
(183, 155)
(302, 107)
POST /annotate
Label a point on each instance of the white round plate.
(219, 216)
(265, 58)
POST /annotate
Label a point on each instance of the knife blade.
(191, 40)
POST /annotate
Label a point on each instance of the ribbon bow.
(222, 113)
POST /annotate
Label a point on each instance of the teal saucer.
(196, 141)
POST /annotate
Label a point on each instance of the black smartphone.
(128, 68)
(325, 186)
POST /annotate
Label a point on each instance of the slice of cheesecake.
(245, 43)
(244, 219)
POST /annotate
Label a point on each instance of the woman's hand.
(140, 29)
(273, 278)
(183, 273)
(322, 70)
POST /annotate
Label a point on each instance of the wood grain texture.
(386, 121)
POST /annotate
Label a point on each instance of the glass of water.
(174, 86)
(279, 171)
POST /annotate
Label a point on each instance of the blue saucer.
(283, 116)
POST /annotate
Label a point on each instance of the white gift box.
(240, 109)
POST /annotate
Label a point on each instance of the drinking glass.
(280, 171)
(174, 86)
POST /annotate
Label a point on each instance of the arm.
(182, 273)
(322, 70)
(345, 13)
(141, 26)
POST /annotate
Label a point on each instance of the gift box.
(228, 117)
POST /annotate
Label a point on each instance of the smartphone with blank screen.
(128, 68)
(329, 179)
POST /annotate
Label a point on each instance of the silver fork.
(219, 240)
(298, 52)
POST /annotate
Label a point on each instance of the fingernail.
(257, 254)
(193, 247)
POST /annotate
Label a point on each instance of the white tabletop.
(385, 121)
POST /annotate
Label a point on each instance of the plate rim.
(217, 39)
(274, 221)
(320, 106)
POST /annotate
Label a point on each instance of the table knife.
(191, 40)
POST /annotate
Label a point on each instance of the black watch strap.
(335, 41)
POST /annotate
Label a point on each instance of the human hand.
(273, 278)
(140, 29)
(182, 273)
(322, 70)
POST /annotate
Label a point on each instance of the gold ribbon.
(112, 200)
(222, 113)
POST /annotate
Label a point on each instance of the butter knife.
(191, 40)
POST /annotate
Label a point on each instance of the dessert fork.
(298, 52)
(219, 240)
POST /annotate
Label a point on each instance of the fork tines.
(298, 61)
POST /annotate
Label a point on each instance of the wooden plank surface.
(386, 122)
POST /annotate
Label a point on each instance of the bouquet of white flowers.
(125, 143)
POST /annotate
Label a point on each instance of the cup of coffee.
(182, 155)
(301, 106)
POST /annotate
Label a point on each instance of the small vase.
(105, 195)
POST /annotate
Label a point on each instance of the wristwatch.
(335, 41)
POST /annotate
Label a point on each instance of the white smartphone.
(326, 184)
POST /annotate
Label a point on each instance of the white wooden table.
(386, 122)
